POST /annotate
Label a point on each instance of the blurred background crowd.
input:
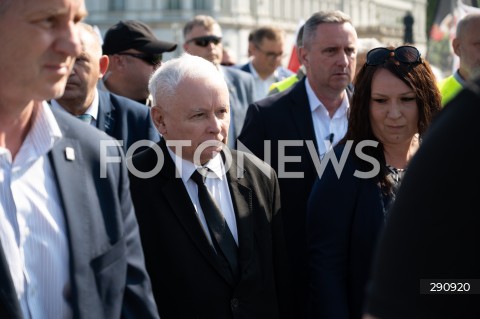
(429, 23)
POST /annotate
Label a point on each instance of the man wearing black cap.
(134, 54)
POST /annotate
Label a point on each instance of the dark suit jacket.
(125, 119)
(433, 229)
(107, 271)
(241, 87)
(344, 217)
(187, 279)
(287, 116)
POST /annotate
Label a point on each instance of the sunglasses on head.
(152, 59)
(206, 40)
(404, 54)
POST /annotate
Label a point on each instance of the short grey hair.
(165, 80)
(310, 26)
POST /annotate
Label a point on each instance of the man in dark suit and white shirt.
(126, 120)
(302, 122)
(69, 240)
(203, 37)
(195, 271)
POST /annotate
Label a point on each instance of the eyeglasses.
(404, 54)
(152, 59)
(206, 40)
(270, 54)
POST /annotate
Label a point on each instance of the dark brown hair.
(418, 76)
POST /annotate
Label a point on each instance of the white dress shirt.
(327, 129)
(217, 185)
(32, 223)
(262, 86)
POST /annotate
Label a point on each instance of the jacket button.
(234, 303)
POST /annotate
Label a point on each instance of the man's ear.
(456, 46)
(158, 118)
(103, 64)
(303, 56)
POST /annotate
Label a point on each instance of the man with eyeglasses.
(203, 38)
(134, 53)
(122, 118)
(265, 46)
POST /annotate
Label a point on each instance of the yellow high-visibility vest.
(449, 87)
(283, 84)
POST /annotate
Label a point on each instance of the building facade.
(378, 19)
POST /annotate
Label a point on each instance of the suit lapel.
(105, 118)
(183, 209)
(68, 165)
(301, 113)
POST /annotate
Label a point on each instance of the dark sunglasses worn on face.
(206, 40)
(404, 54)
(152, 59)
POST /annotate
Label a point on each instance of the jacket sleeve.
(138, 297)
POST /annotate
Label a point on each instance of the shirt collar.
(459, 78)
(315, 103)
(42, 136)
(92, 109)
(254, 72)
(186, 168)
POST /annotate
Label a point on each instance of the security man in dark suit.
(299, 126)
(69, 240)
(214, 246)
(126, 120)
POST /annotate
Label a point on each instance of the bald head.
(466, 45)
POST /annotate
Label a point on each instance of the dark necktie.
(222, 237)
(87, 118)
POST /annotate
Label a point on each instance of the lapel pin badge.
(69, 153)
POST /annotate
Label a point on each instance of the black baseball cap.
(131, 34)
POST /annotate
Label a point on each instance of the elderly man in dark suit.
(126, 120)
(301, 124)
(214, 248)
(69, 240)
(203, 37)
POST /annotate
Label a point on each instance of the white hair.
(165, 80)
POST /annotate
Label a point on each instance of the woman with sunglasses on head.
(394, 101)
